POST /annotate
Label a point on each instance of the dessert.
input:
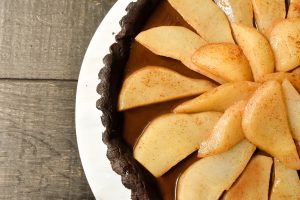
(226, 133)
(268, 12)
(168, 140)
(181, 46)
(219, 98)
(286, 183)
(294, 78)
(237, 11)
(254, 181)
(176, 135)
(224, 60)
(284, 39)
(154, 84)
(294, 8)
(197, 13)
(256, 48)
(265, 124)
(209, 177)
(292, 100)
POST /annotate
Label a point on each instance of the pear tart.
(200, 100)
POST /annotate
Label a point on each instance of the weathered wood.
(38, 151)
(47, 39)
(42, 39)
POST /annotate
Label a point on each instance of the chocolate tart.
(134, 176)
(123, 128)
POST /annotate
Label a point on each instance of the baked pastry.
(143, 92)
(134, 176)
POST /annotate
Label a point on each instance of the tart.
(196, 100)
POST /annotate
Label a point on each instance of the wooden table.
(42, 44)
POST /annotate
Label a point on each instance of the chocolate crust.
(141, 183)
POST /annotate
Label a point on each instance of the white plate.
(105, 184)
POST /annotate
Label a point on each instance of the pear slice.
(286, 184)
(294, 9)
(265, 124)
(285, 42)
(292, 100)
(254, 181)
(298, 146)
(224, 60)
(171, 41)
(267, 13)
(226, 133)
(219, 98)
(154, 84)
(206, 18)
(294, 78)
(175, 42)
(256, 48)
(210, 176)
(237, 11)
(170, 138)
(297, 70)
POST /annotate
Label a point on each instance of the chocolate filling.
(135, 120)
(123, 129)
(134, 176)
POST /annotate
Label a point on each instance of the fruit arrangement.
(247, 117)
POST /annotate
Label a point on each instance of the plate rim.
(87, 117)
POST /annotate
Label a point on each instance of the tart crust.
(141, 183)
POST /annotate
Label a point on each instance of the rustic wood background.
(42, 44)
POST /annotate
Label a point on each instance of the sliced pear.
(297, 70)
(254, 181)
(226, 133)
(219, 98)
(224, 60)
(294, 78)
(237, 11)
(154, 84)
(206, 18)
(267, 13)
(210, 176)
(175, 42)
(265, 124)
(286, 184)
(294, 9)
(292, 100)
(285, 42)
(256, 48)
(170, 138)
(298, 146)
(171, 41)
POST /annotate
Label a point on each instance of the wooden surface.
(46, 38)
(42, 44)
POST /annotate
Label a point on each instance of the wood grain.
(47, 39)
(38, 151)
(42, 39)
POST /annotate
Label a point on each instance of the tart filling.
(206, 80)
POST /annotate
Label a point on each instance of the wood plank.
(47, 39)
(38, 151)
